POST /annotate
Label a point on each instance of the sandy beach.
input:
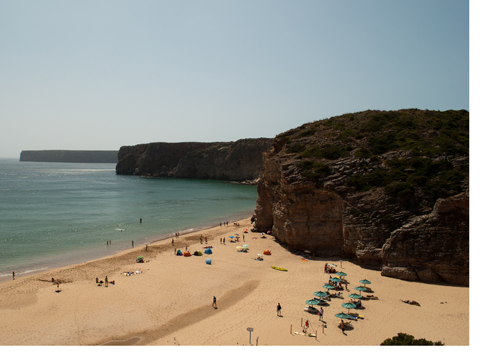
(170, 301)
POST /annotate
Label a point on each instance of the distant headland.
(70, 156)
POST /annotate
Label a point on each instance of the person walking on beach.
(13, 274)
(146, 247)
(133, 243)
(279, 310)
(106, 281)
(320, 313)
(173, 242)
(141, 220)
(214, 304)
(342, 325)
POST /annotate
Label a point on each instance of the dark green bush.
(393, 190)
(363, 153)
(405, 339)
(295, 148)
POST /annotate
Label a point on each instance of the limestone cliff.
(374, 186)
(70, 156)
(233, 161)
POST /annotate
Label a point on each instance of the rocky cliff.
(388, 189)
(72, 156)
(233, 161)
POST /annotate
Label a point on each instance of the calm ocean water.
(56, 214)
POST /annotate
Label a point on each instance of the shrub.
(295, 148)
(363, 153)
(393, 190)
(405, 339)
(383, 143)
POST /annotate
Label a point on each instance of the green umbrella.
(341, 273)
(312, 302)
(342, 316)
(328, 286)
(355, 296)
(365, 281)
(336, 280)
(320, 294)
(349, 306)
(361, 288)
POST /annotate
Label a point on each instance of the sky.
(97, 75)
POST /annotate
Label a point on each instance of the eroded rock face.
(433, 247)
(233, 161)
(386, 218)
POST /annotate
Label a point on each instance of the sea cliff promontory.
(231, 161)
(388, 189)
(72, 156)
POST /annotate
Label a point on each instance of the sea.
(58, 214)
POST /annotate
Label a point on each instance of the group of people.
(225, 223)
(329, 269)
(106, 281)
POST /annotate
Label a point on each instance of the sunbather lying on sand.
(411, 302)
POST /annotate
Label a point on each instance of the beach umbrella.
(320, 294)
(312, 302)
(245, 245)
(361, 288)
(365, 281)
(307, 251)
(342, 316)
(349, 306)
(336, 280)
(355, 296)
(341, 273)
(231, 237)
(328, 286)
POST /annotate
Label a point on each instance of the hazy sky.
(96, 75)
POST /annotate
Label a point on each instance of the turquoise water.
(55, 214)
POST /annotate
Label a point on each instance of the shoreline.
(88, 258)
(169, 302)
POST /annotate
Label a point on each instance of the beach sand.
(170, 302)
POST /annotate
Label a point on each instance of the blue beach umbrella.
(365, 281)
(328, 286)
(312, 302)
(341, 273)
(342, 316)
(336, 280)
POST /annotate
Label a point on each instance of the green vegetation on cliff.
(413, 154)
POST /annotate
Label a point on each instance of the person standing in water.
(141, 220)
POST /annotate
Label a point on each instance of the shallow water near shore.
(56, 214)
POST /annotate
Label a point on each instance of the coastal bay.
(170, 301)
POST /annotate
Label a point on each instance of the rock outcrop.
(385, 188)
(231, 161)
(70, 156)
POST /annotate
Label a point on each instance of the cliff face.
(380, 187)
(234, 161)
(72, 156)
